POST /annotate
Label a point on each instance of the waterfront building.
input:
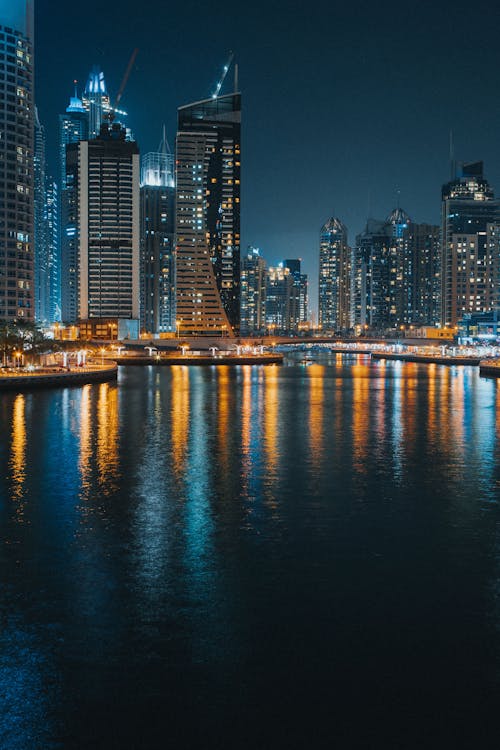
(253, 292)
(208, 216)
(46, 235)
(157, 241)
(468, 270)
(334, 277)
(422, 275)
(279, 291)
(102, 176)
(299, 301)
(371, 277)
(17, 128)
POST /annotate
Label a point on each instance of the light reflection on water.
(191, 535)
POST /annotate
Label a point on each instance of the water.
(252, 557)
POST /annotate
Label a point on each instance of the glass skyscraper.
(208, 216)
(157, 241)
(334, 277)
(16, 160)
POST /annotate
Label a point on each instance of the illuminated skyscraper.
(467, 267)
(279, 291)
(299, 294)
(16, 160)
(96, 101)
(253, 292)
(157, 241)
(103, 177)
(208, 216)
(334, 277)
(73, 128)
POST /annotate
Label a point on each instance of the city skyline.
(393, 134)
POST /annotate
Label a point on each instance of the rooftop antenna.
(164, 147)
(76, 91)
(236, 78)
(225, 71)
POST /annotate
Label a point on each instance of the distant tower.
(253, 292)
(41, 239)
(157, 240)
(96, 101)
(299, 295)
(17, 128)
(279, 291)
(468, 271)
(104, 175)
(208, 215)
(73, 128)
(334, 277)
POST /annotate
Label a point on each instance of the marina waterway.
(252, 556)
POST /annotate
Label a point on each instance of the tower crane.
(225, 71)
(114, 108)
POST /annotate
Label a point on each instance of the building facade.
(334, 289)
(157, 241)
(468, 272)
(299, 302)
(279, 295)
(208, 154)
(253, 292)
(17, 127)
(103, 178)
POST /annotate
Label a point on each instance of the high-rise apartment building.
(334, 277)
(422, 275)
(103, 178)
(157, 241)
(16, 160)
(299, 301)
(208, 216)
(467, 267)
(73, 128)
(279, 292)
(253, 292)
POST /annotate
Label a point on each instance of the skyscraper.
(103, 177)
(16, 160)
(334, 277)
(279, 290)
(96, 101)
(299, 294)
(422, 272)
(41, 250)
(253, 292)
(467, 269)
(73, 127)
(157, 241)
(208, 216)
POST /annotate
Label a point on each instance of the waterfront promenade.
(42, 377)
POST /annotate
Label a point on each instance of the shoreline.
(83, 376)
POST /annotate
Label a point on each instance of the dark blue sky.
(343, 104)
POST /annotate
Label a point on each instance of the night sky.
(344, 105)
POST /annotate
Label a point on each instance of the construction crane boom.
(225, 71)
(114, 109)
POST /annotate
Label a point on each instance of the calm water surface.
(254, 557)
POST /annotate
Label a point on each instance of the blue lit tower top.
(96, 100)
(398, 220)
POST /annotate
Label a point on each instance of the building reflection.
(360, 415)
(270, 407)
(107, 437)
(224, 392)
(316, 376)
(85, 462)
(179, 417)
(18, 452)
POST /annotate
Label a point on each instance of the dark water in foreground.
(252, 557)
